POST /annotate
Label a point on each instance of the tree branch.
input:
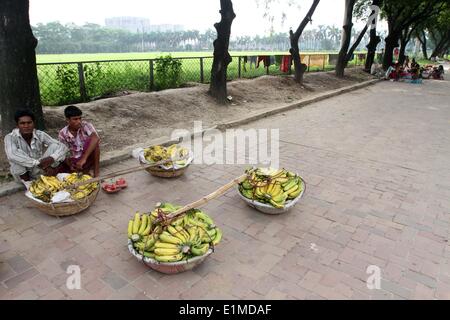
(306, 19)
(357, 42)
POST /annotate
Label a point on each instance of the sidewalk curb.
(296, 105)
(114, 157)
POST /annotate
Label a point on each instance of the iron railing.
(73, 82)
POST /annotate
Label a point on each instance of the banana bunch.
(160, 153)
(45, 187)
(82, 191)
(271, 186)
(190, 235)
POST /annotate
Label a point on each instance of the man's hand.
(80, 164)
(70, 165)
(51, 171)
(25, 176)
(46, 162)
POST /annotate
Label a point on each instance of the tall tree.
(19, 86)
(400, 15)
(375, 39)
(439, 29)
(422, 37)
(405, 37)
(294, 37)
(345, 53)
(222, 58)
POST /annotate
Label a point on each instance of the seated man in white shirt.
(32, 152)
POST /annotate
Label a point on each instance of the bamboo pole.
(204, 200)
(122, 172)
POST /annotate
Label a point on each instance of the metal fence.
(73, 82)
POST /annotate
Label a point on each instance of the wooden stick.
(122, 172)
(205, 199)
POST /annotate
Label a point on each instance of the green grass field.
(60, 83)
(81, 57)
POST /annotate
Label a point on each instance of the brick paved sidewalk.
(376, 163)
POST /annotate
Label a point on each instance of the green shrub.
(96, 77)
(168, 73)
(67, 78)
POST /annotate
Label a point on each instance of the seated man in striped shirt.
(25, 149)
(83, 142)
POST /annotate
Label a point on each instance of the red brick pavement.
(376, 163)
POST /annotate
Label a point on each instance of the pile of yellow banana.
(271, 186)
(81, 191)
(160, 153)
(190, 235)
(45, 187)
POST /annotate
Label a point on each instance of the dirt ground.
(137, 117)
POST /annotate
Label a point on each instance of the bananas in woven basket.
(190, 235)
(271, 186)
(45, 187)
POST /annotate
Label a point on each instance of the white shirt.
(18, 151)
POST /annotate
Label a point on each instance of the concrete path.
(377, 166)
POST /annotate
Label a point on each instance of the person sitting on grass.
(32, 152)
(83, 142)
(415, 69)
(394, 72)
(438, 73)
(406, 64)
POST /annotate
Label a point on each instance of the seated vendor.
(83, 142)
(438, 73)
(32, 152)
(415, 69)
(394, 72)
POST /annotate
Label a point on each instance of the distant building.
(132, 24)
(139, 25)
(166, 27)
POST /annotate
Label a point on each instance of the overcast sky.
(194, 14)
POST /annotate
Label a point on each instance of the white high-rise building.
(132, 24)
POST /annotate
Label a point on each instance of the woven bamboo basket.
(268, 209)
(166, 173)
(168, 267)
(66, 208)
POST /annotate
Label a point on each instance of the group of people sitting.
(413, 72)
(433, 72)
(32, 152)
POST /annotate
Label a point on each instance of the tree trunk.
(423, 43)
(222, 58)
(402, 56)
(300, 67)
(346, 37)
(441, 46)
(373, 43)
(391, 43)
(19, 86)
(371, 49)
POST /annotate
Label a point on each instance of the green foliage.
(67, 79)
(167, 73)
(95, 77)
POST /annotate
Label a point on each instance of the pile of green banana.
(160, 153)
(190, 235)
(45, 187)
(271, 186)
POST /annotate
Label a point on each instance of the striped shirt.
(18, 151)
(77, 143)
